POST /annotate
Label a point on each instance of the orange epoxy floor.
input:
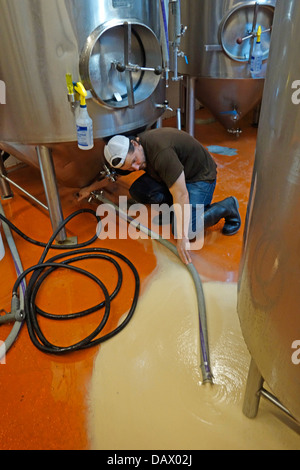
(44, 397)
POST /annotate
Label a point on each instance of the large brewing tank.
(42, 41)
(219, 66)
(269, 284)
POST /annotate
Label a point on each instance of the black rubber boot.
(227, 209)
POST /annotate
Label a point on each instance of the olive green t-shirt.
(169, 151)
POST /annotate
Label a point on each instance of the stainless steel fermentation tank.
(269, 284)
(217, 68)
(41, 42)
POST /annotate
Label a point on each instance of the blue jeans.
(200, 193)
(146, 190)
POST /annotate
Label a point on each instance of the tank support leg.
(252, 395)
(190, 105)
(51, 190)
(5, 189)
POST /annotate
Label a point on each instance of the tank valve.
(235, 115)
(164, 105)
(237, 132)
(95, 195)
(109, 174)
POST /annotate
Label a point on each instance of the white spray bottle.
(84, 123)
(257, 57)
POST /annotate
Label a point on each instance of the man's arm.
(182, 213)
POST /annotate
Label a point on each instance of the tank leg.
(5, 189)
(191, 81)
(182, 101)
(51, 190)
(252, 395)
(159, 123)
(256, 115)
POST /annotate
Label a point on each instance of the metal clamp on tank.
(136, 68)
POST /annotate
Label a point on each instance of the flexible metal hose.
(205, 358)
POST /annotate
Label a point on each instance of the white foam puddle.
(146, 390)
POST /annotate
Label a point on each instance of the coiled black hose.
(43, 269)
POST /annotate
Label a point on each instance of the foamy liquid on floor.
(146, 391)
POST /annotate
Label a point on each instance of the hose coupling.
(15, 304)
(95, 195)
(16, 312)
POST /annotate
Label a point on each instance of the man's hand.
(183, 246)
(84, 193)
(182, 216)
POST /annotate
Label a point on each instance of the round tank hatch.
(121, 65)
(238, 24)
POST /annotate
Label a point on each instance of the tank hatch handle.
(136, 68)
(129, 68)
(128, 72)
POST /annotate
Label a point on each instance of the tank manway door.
(121, 65)
(239, 28)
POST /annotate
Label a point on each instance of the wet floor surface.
(48, 401)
